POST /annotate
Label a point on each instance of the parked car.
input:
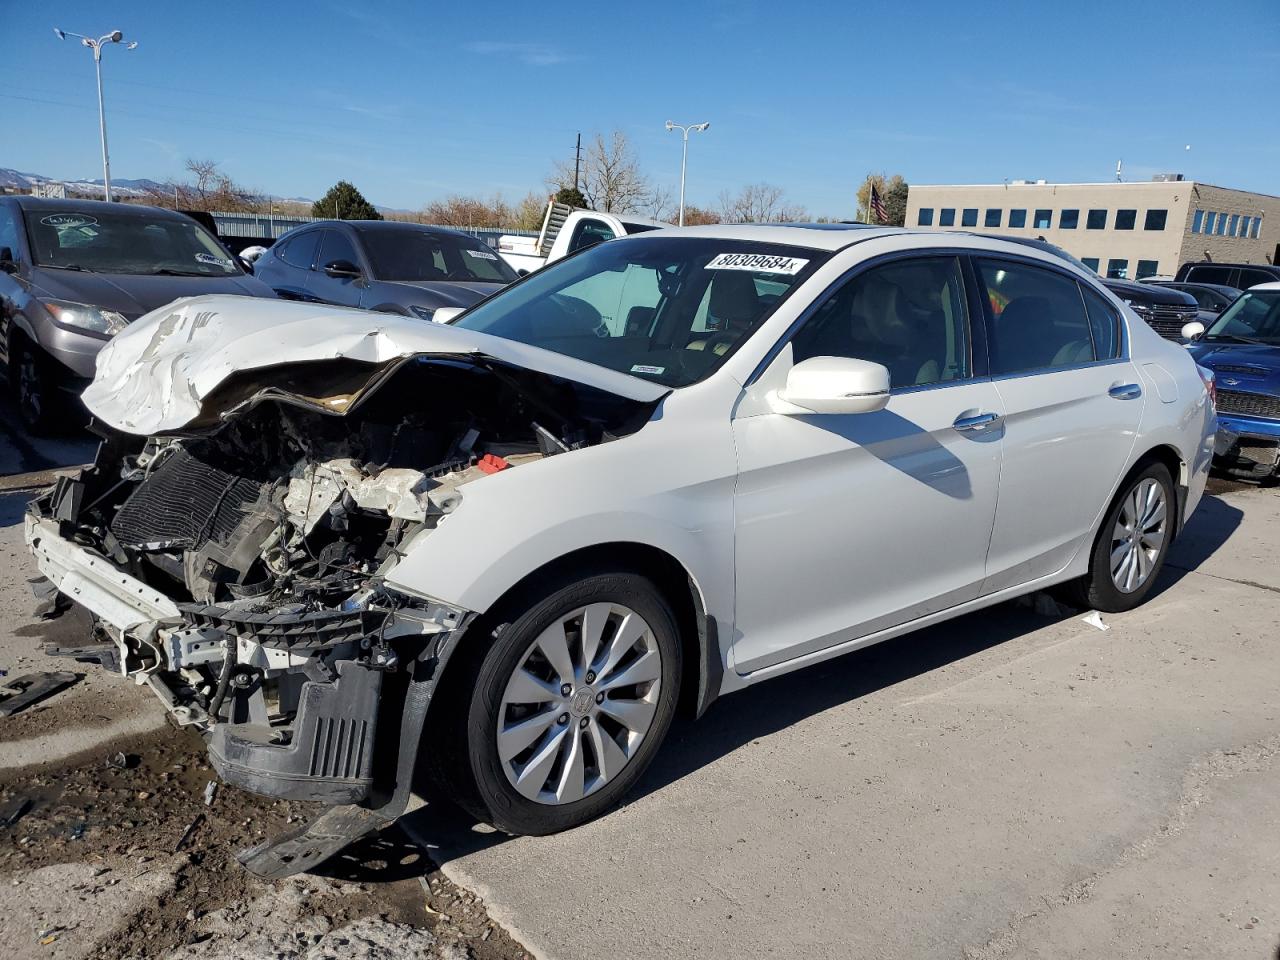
(1242, 347)
(1165, 311)
(73, 273)
(1211, 298)
(382, 265)
(567, 230)
(1238, 275)
(510, 545)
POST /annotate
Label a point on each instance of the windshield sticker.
(758, 263)
(212, 260)
(479, 254)
(69, 220)
(645, 368)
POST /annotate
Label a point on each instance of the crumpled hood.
(134, 295)
(153, 377)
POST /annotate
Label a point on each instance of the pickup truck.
(566, 230)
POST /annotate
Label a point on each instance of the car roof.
(1219, 287)
(49, 205)
(1267, 267)
(1272, 285)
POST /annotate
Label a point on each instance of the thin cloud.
(532, 54)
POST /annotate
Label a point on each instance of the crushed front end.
(239, 568)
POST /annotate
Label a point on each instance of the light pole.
(684, 154)
(115, 36)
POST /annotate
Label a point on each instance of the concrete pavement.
(1009, 785)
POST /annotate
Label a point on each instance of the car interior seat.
(734, 305)
(1024, 336)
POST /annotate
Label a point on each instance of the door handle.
(1125, 391)
(980, 421)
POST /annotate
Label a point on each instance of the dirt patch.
(117, 856)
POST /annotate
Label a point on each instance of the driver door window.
(908, 315)
(588, 233)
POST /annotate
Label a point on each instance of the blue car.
(1242, 348)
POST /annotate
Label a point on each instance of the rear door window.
(1250, 278)
(1104, 325)
(1210, 274)
(1038, 318)
(588, 233)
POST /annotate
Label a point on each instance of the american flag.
(877, 206)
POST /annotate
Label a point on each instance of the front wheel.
(32, 380)
(1131, 549)
(569, 704)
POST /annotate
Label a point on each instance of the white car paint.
(153, 377)
(525, 254)
(805, 535)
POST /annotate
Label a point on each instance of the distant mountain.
(123, 187)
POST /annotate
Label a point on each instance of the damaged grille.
(184, 504)
(1249, 404)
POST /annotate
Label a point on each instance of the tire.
(1139, 564)
(32, 381)
(580, 760)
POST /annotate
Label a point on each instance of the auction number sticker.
(758, 263)
(646, 368)
(69, 220)
(480, 254)
(209, 258)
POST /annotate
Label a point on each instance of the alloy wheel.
(1138, 535)
(581, 700)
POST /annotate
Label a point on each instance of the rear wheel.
(1131, 549)
(567, 706)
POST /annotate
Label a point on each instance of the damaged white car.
(344, 544)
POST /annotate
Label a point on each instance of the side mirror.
(1193, 330)
(837, 385)
(446, 314)
(7, 263)
(245, 265)
(341, 270)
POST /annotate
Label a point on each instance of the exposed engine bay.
(238, 567)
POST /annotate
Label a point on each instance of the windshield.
(412, 255)
(1253, 318)
(106, 241)
(662, 308)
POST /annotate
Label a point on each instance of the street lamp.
(684, 155)
(115, 36)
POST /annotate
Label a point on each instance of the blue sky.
(412, 101)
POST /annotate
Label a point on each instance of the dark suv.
(73, 273)
(1239, 275)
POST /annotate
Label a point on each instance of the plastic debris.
(1095, 620)
(11, 812)
(192, 827)
(21, 692)
(210, 790)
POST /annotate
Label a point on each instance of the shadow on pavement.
(777, 704)
(13, 506)
(22, 453)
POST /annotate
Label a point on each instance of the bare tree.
(698, 216)
(757, 203)
(529, 212)
(659, 206)
(460, 211)
(208, 189)
(610, 178)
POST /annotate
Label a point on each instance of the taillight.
(1208, 376)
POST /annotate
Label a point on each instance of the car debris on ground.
(21, 692)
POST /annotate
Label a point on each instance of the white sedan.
(659, 471)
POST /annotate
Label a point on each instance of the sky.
(415, 101)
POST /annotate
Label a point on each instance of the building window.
(1017, 218)
(1210, 220)
(1091, 263)
(993, 217)
(1257, 222)
(1043, 219)
(947, 217)
(1125, 219)
(1097, 220)
(1197, 221)
(1244, 226)
(1222, 224)
(1233, 225)
(1156, 219)
(1068, 219)
(969, 217)
(1117, 269)
(1148, 268)
(925, 217)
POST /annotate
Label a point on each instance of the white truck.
(566, 230)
